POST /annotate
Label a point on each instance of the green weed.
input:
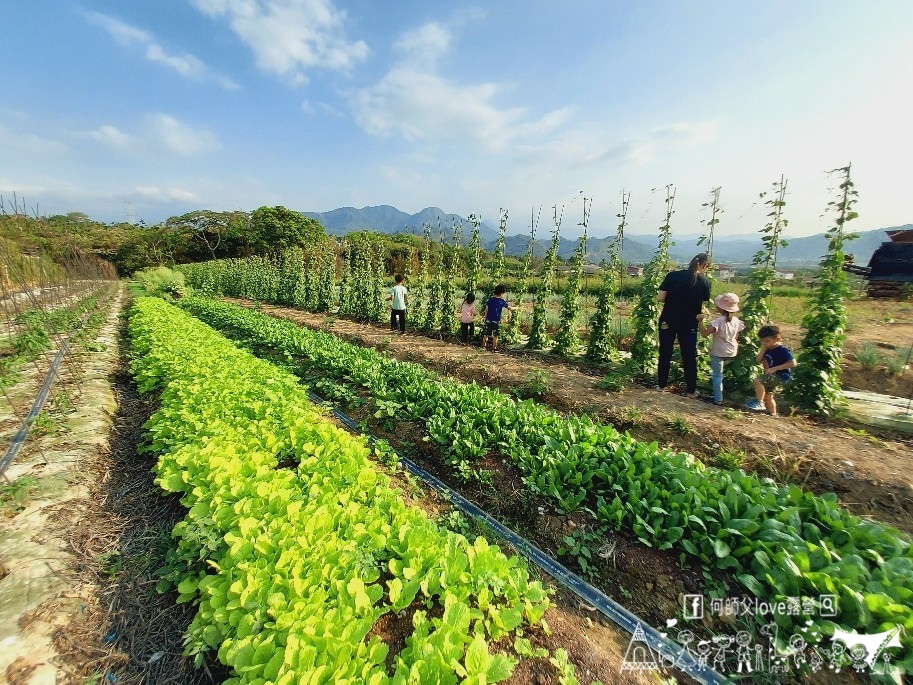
(729, 459)
(863, 433)
(614, 381)
(44, 424)
(458, 522)
(869, 356)
(385, 453)
(15, 496)
(582, 545)
(535, 385)
(112, 563)
(632, 414)
(680, 424)
(900, 362)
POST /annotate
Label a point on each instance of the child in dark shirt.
(492, 317)
(778, 364)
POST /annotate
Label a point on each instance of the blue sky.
(113, 106)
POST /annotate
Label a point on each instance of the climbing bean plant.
(645, 314)
(324, 298)
(538, 334)
(497, 264)
(435, 295)
(512, 330)
(755, 307)
(816, 383)
(474, 277)
(600, 345)
(567, 340)
(448, 290)
(706, 241)
(420, 289)
(377, 289)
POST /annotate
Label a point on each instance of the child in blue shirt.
(492, 317)
(778, 364)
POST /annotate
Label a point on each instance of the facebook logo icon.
(693, 607)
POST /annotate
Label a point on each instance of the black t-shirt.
(683, 300)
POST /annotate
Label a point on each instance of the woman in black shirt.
(682, 293)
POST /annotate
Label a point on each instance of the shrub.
(162, 282)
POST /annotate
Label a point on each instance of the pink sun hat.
(728, 302)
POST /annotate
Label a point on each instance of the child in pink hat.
(725, 329)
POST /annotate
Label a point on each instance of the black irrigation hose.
(23, 433)
(589, 594)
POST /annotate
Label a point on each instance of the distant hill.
(806, 251)
(638, 249)
(597, 249)
(387, 219)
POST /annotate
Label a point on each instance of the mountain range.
(637, 249)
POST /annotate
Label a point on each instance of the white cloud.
(122, 32)
(290, 37)
(425, 44)
(187, 65)
(8, 187)
(157, 132)
(27, 144)
(157, 194)
(309, 107)
(416, 102)
(583, 147)
(180, 138)
(113, 137)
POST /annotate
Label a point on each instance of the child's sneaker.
(755, 405)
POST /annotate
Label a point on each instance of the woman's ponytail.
(699, 260)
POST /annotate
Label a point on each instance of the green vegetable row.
(294, 568)
(779, 542)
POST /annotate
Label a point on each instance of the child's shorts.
(772, 383)
(492, 327)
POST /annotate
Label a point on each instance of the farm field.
(285, 345)
(248, 467)
(102, 520)
(790, 449)
(121, 531)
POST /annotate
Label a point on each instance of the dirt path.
(81, 534)
(40, 588)
(872, 475)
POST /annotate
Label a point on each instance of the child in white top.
(725, 330)
(467, 318)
